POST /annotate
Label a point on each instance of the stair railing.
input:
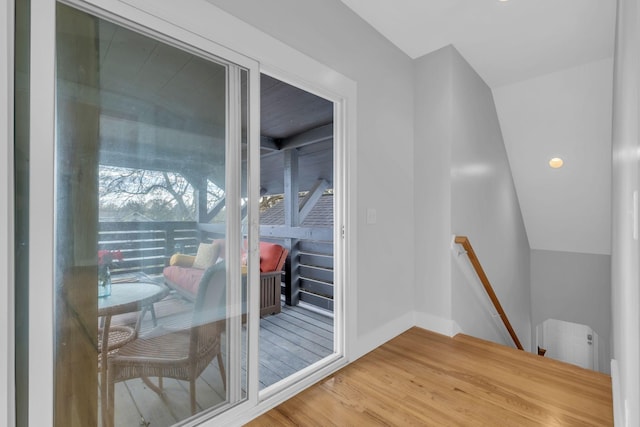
(464, 241)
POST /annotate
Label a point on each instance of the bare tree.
(154, 191)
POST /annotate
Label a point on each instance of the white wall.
(331, 33)
(574, 287)
(569, 108)
(485, 207)
(464, 186)
(432, 177)
(625, 253)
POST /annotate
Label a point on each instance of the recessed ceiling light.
(556, 162)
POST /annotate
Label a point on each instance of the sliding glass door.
(141, 204)
(138, 267)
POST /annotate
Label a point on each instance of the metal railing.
(147, 246)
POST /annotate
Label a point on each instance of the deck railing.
(147, 246)
(315, 273)
(308, 275)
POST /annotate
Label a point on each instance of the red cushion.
(272, 257)
(188, 279)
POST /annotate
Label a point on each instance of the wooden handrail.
(464, 241)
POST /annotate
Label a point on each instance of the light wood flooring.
(289, 341)
(422, 378)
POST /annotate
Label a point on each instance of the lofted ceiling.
(504, 41)
(548, 63)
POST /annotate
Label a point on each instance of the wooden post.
(21, 165)
(201, 200)
(76, 356)
(169, 242)
(206, 219)
(292, 277)
(312, 198)
(291, 188)
(291, 219)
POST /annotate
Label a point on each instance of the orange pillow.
(271, 256)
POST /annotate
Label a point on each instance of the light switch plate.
(635, 215)
(371, 216)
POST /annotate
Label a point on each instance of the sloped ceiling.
(565, 114)
(549, 65)
(504, 41)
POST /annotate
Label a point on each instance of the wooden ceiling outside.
(163, 108)
(291, 118)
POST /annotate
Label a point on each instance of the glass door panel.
(150, 193)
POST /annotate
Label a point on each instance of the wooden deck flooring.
(422, 378)
(289, 341)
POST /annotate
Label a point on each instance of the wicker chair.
(181, 354)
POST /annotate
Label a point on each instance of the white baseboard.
(437, 324)
(619, 415)
(377, 337)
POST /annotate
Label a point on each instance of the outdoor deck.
(289, 341)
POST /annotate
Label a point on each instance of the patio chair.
(181, 275)
(180, 354)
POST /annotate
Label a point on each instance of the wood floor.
(289, 341)
(422, 378)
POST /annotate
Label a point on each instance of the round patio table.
(130, 296)
(125, 298)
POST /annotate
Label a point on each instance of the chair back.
(272, 257)
(209, 317)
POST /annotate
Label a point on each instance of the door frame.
(274, 58)
(338, 241)
(43, 171)
(542, 341)
(7, 373)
